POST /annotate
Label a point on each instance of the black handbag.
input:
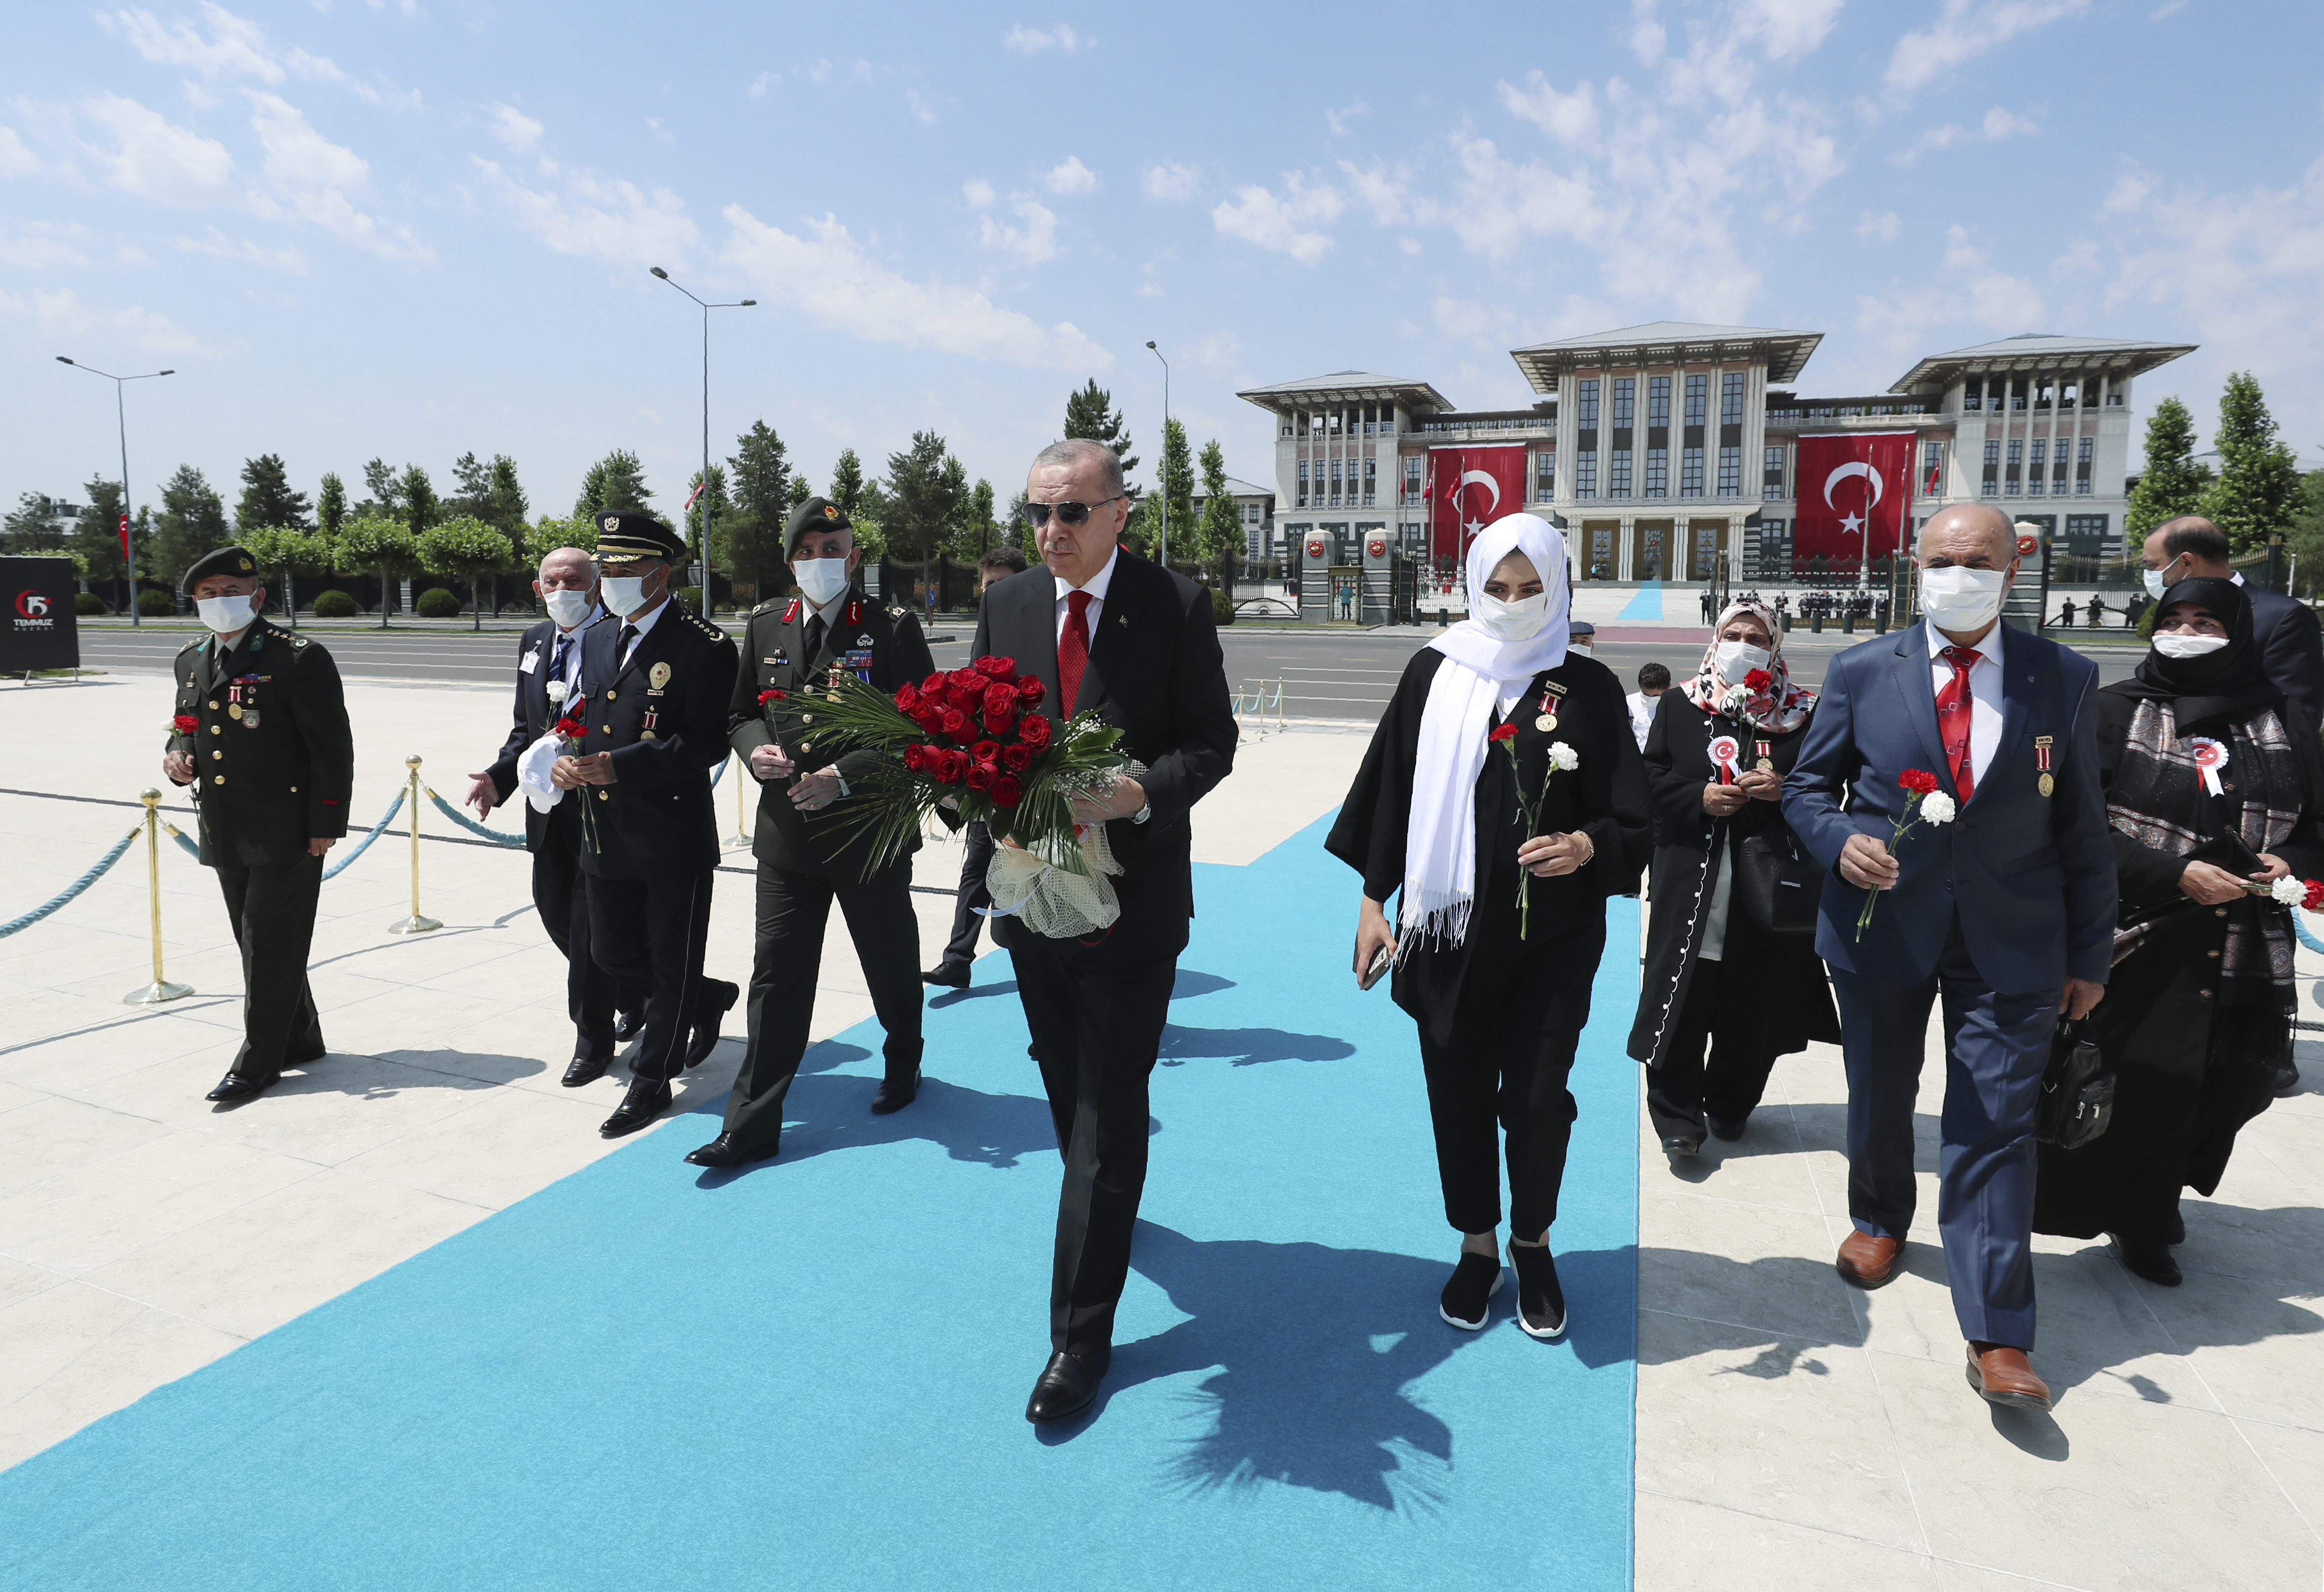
(2077, 1091)
(1777, 887)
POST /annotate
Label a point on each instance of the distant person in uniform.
(2066, 614)
(2097, 613)
(952, 972)
(2283, 629)
(261, 735)
(656, 686)
(1653, 679)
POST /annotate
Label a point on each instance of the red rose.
(767, 696)
(985, 752)
(999, 699)
(956, 723)
(1758, 680)
(916, 757)
(998, 668)
(1507, 731)
(2315, 898)
(1031, 691)
(907, 697)
(1919, 781)
(1000, 724)
(1033, 729)
(933, 684)
(1017, 758)
(951, 766)
(981, 776)
(1007, 792)
(929, 719)
(186, 723)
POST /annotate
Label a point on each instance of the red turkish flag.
(1469, 488)
(1855, 494)
(124, 538)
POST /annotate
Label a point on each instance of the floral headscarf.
(1767, 699)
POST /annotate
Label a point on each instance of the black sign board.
(37, 625)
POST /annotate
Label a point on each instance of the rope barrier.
(2307, 939)
(178, 835)
(500, 837)
(394, 807)
(74, 888)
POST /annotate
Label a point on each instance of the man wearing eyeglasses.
(1107, 632)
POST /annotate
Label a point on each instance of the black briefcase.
(1777, 887)
(2077, 1091)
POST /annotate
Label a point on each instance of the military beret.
(624, 534)
(227, 560)
(815, 514)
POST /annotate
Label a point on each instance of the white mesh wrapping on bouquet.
(1056, 901)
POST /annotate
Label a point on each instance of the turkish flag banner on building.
(1469, 488)
(1855, 493)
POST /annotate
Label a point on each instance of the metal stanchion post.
(742, 835)
(415, 924)
(161, 989)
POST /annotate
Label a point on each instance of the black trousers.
(271, 906)
(961, 949)
(560, 893)
(1684, 1088)
(1098, 1032)
(794, 910)
(649, 933)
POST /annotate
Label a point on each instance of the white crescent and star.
(1481, 478)
(1852, 523)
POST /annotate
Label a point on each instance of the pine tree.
(751, 538)
(925, 488)
(421, 507)
(617, 482)
(722, 507)
(2257, 492)
(505, 504)
(1090, 414)
(476, 481)
(847, 482)
(2170, 483)
(330, 504)
(267, 501)
(96, 535)
(1220, 533)
(192, 521)
(977, 531)
(382, 480)
(1178, 488)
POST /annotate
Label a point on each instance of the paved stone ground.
(1792, 1432)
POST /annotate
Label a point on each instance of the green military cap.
(624, 533)
(814, 515)
(227, 560)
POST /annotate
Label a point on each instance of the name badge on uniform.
(530, 664)
(2048, 781)
(859, 662)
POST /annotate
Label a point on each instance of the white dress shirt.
(1098, 582)
(572, 674)
(644, 623)
(1986, 707)
(1642, 714)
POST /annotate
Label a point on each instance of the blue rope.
(714, 779)
(394, 807)
(497, 836)
(2307, 939)
(177, 836)
(76, 887)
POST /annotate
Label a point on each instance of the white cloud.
(155, 157)
(820, 72)
(1790, 29)
(513, 128)
(243, 252)
(1648, 37)
(15, 160)
(1172, 180)
(316, 179)
(921, 110)
(763, 82)
(41, 244)
(1968, 291)
(1032, 243)
(1069, 175)
(609, 219)
(1998, 126)
(978, 192)
(1340, 121)
(233, 47)
(1461, 317)
(1965, 30)
(1027, 41)
(1879, 225)
(1285, 224)
(63, 312)
(1217, 350)
(1571, 118)
(824, 274)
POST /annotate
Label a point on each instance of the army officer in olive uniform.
(794, 647)
(270, 758)
(655, 686)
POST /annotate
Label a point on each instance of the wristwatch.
(1143, 814)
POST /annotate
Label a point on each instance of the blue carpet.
(1647, 604)
(813, 1374)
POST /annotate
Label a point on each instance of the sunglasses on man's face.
(1066, 513)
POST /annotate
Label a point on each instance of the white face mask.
(624, 593)
(568, 608)
(1739, 658)
(1957, 598)
(2156, 582)
(2188, 646)
(1512, 621)
(822, 579)
(225, 615)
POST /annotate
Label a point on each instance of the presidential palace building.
(1663, 448)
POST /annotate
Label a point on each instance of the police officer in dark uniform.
(654, 685)
(272, 760)
(793, 647)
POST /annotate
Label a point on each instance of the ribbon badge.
(2210, 757)
(1766, 762)
(2048, 782)
(1724, 750)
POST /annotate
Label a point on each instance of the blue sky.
(416, 227)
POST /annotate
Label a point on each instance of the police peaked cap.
(232, 559)
(814, 515)
(625, 533)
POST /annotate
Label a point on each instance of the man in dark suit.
(1105, 632)
(2290, 645)
(976, 856)
(793, 647)
(262, 734)
(2007, 912)
(547, 668)
(655, 686)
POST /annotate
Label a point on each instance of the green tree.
(977, 531)
(504, 499)
(1219, 534)
(331, 504)
(751, 540)
(924, 489)
(1178, 488)
(381, 479)
(1090, 414)
(464, 545)
(617, 482)
(289, 552)
(267, 500)
(473, 478)
(97, 533)
(382, 546)
(192, 521)
(548, 533)
(27, 525)
(846, 482)
(718, 505)
(421, 507)
(2170, 483)
(2257, 492)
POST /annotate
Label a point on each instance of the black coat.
(883, 647)
(1790, 1002)
(2291, 649)
(530, 720)
(1604, 795)
(1155, 669)
(656, 817)
(274, 757)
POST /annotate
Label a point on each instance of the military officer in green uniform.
(794, 647)
(260, 733)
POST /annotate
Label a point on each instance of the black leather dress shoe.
(894, 1094)
(585, 1070)
(1068, 1386)
(2283, 1080)
(1683, 1143)
(718, 997)
(628, 1025)
(2155, 1262)
(723, 1151)
(234, 1086)
(648, 1098)
(951, 975)
(1727, 1129)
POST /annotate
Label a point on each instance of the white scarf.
(1479, 670)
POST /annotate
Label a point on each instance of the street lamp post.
(1165, 454)
(702, 551)
(121, 415)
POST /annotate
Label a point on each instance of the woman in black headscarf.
(2215, 792)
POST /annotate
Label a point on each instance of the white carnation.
(557, 693)
(1937, 807)
(2288, 890)
(1562, 755)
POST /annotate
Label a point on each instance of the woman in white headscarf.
(1493, 715)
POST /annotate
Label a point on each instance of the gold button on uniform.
(611, 694)
(217, 728)
(218, 779)
(2210, 953)
(601, 795)
(2218, 912)
(216, 756)
(214, 707)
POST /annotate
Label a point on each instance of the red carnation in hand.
(998, 668)
(981, 776)
(185, 724)
(956, 723)
(572, 730)
(985, 752)
(1031, 691)
(1016, 759)
(1507, 731)
(1919, 781)
(951, 766)
(2314, 899)
(767, 696)
(1758, 680)
(1033, 729)
(1007, 792)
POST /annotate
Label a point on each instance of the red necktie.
(1954, 706)
(1073, 651)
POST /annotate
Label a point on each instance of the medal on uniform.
(1547, 721)
(831, 685)
(1760, 750)
(2048, 781)
(657, 677)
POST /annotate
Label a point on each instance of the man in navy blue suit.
(2007, 913)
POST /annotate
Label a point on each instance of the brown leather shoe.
(2001, 1376)
(1867, 1261)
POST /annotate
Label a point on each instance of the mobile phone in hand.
(1381, 963)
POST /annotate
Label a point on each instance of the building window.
(2012, 484)
(1371, 481)
(2082, 468)
(1618, 472)
(1690, 468)
(1585, 404)
(2086, 535)
(1973, 397)
(1412, 483)
(1657, 401)
(1697, 389)
(1731, 471)
(1933, 469)
(1601, 552)
(1544, 476)
(2058, 470)
(1626, 390)
(1771, 473)
(1658, 472)
(2033, 475)
(1992, 484)
(1303, 484)
(1335, 484)
(1250, 513)
(1730, 406)
(1585, 472)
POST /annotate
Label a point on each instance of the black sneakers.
(1475, 1281)
(1541, 1303)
